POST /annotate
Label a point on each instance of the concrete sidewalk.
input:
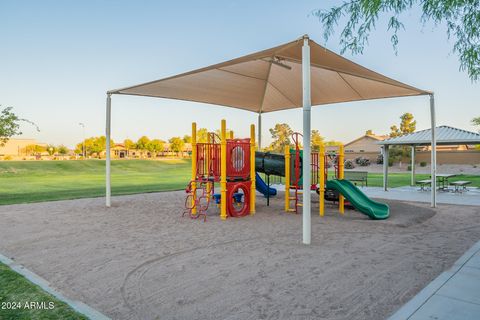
(469, 198)
(455, 294)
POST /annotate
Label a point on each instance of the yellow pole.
(252, 168)
(223, 171)
(341, 157)
(321, 179)
(194, 163)
(231, 134)
(287, 178)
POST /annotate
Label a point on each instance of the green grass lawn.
(34, 181)
(403, 179)
(17, 294)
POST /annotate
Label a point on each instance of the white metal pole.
(412, 166)
(108, 191)
(259, 145)
(385, 168)
(307, 229)
(434, 152)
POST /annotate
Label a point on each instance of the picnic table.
(424, 183)
(442, 179)
(460, 186)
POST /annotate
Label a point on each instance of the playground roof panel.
(445, 136)
(271, 80)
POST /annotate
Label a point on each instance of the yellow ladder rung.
(299, 204)
(292, 198)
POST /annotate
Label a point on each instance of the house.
(365, 146)
(21, 148)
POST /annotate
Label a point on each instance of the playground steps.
(297, 198)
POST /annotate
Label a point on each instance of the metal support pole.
(194, 167)
(252, 170)
(385, 167)
(307, 228)
(108, 191)
(434, 152)
(223, 171)
(321, 179)
(412, 167)
(341, 176)
(259, 145)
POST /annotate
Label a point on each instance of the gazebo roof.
(445, 136)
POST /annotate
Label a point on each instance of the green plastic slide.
(375, 210)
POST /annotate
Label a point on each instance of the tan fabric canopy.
(271, 80)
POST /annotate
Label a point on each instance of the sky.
(58, 59)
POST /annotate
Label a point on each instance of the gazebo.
(445, 135)
(298, 74)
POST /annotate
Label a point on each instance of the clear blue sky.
(58, 58)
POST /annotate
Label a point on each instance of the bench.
(357, 176)
(460, 186)
(423, 183)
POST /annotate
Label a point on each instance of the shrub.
(8, 158)
(390, 162)
(349, 164)
(379, 159)
(409, 168)
(363, 162)
(423, 164)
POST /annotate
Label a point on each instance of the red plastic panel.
(238, 158)
(208, 161)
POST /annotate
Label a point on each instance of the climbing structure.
(229, 163)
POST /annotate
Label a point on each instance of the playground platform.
(452, 295)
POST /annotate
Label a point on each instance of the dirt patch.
(141, 260)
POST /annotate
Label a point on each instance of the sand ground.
(141, 260)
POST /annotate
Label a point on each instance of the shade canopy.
(271, 80)
(445, 136)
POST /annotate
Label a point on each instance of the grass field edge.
(76, 305)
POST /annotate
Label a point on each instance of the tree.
(176, 144)
(461, 17)
(51, 149)
(93, 145)
(10, 125)
(142, 143)
(202, 135)
(128, 144)
(187, 138)
(333, 143)
(407, 125)
(34, 149)
(316, 140)
(281, 135)
(369, 132)
(155, 146)
(476, 122)
(62, 150)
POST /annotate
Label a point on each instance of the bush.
(363, 162)
(379, 159)
(390, 162)
(349, 164)
(423, 164)
(409, 168)
(8, 158)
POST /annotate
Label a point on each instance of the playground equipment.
(319, 164)
(290, 166)
(227, 162)
(234, 165)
